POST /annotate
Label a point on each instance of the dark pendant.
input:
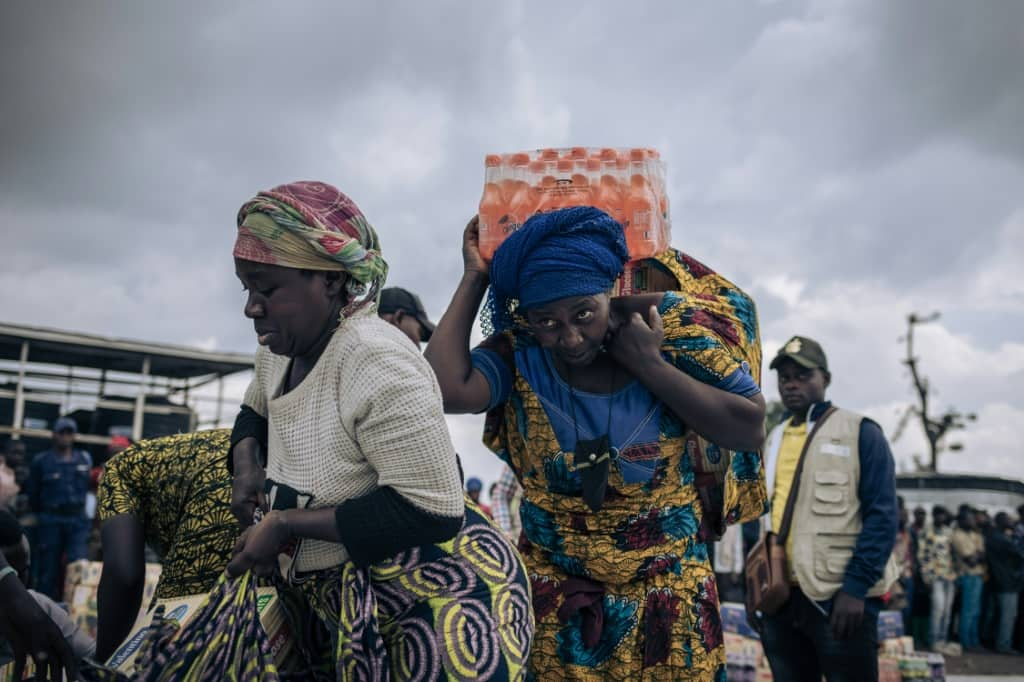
(592, 459)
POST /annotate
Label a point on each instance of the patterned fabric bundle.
(313, 226)
(457, 610)
(223, 641)
(575, 251)
(719, 328)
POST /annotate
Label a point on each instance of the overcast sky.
(846, 162)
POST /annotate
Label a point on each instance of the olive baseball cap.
(803, 351)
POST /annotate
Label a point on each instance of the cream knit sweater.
(368, 415)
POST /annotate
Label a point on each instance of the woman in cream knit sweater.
(360, 487)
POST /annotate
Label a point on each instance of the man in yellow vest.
(842, 527)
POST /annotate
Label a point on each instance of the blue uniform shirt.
(57, 485)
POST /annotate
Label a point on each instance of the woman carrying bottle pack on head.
(598, 405)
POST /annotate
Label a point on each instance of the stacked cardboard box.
(81, 584)
(889, 670)
(744, 656)
(897, 661)
(890, 625)
(734, 619)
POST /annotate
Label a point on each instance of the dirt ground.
(984, 664)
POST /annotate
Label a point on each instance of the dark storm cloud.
(845, 161)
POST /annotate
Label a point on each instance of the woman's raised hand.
(472, 261)
(637, 340)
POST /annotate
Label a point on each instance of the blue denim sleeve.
(740, 382)
(877, 493)
(494, 369)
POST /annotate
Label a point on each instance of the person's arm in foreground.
(727, 419)
(247, 456)
(31, 632)
(464, 389)
(122, 582)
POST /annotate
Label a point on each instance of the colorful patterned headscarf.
(313, 226)
(576, 251)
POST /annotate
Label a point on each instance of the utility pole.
(934, 428)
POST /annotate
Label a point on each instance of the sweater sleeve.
(400, 427)
(247, 423)
(383, 523)
(877, 493)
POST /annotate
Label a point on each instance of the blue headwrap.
(576, 251)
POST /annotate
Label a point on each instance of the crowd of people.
(963, 573)
(52, 493)
(636, 470)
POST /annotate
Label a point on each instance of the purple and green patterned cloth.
(313, 226)
(457, 610)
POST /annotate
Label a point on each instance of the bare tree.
(935, 428)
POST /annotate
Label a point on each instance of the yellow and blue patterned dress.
(637, 571)
(180, 490)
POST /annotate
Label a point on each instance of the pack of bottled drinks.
(628, 184)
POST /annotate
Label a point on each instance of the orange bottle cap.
(549, 154)
(520, 159)
(593, 164)
(565, 165)
(609, 154)
(492, 160)
(578, 153)
(637, 154)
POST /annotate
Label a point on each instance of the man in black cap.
(404, 309)
(842, 526)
